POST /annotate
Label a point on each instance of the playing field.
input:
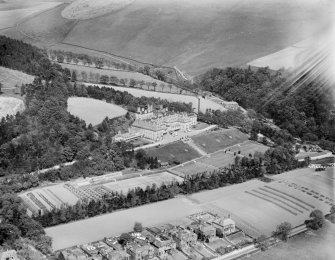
(93, 111)
(142, 182)
(177, 151)
(218, 140)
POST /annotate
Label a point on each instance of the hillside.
(192, 35)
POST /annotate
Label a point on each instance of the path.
(196, 147)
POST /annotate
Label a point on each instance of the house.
(74, 254)
(140, 252)
(8, 255)
(163, 244)
(184, 238)
(117, 255)
(207, 231)
(226, 225)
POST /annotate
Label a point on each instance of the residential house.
(140, 252)
(163, 244)
(226, 225)
(184, 238)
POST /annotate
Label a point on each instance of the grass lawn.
(93, 111)
(10, 78)
(217, 140)
(175, 151)
(312, 245)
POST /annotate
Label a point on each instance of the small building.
(74, 254)
(207, 231)
(8, 255)
(117, 255)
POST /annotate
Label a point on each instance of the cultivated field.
(204, 103)
(10, 106)
(257, 207)
(142, 182)
(48, 198)
(93, 111)
(86, 9)
(11, 78)
(218, 140)
(178, 151)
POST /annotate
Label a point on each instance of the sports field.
(177, 151)
(93, 111)
(142, 182)
(257, 208)
(218, 140)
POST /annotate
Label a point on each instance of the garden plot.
(142, 182)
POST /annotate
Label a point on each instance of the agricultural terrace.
(11, 78)
(218, 140)
(92, 74)
(10, 106)
(142, 182)
(204, 103)
(256, 206)
(12, 12)
(219, 159)
(93, 111)
(177, 151)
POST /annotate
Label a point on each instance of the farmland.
(93, 111)
(178, 151)
(218, 140)
(272, 203)
(10, 106)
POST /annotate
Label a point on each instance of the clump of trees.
(282, 231)
(316, 220)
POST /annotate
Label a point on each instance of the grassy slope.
(175, 151)
(194, 35)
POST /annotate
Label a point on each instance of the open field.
(218, 140)
(86, 9)
(178, 151)
(114, 224)
(10, 106)
(11, 13)
(10, 78)
(248, 147)
(143, 181)
(254, 214)
(93, 111)
(204, 103)
(311, 245)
